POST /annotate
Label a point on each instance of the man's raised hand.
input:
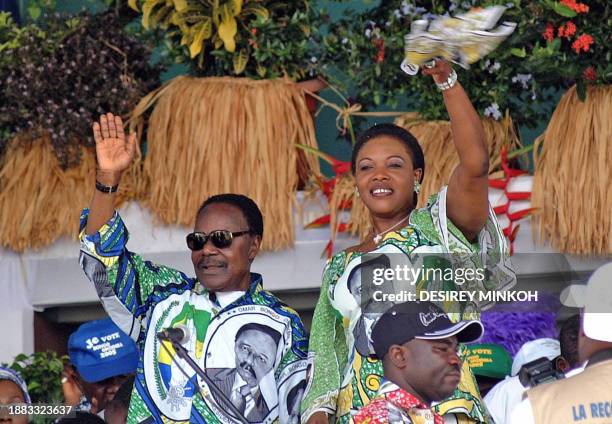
(114, 151)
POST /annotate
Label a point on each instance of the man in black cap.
(417, 344)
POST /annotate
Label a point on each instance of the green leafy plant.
(253, 38)
(571, 43)
(42, 373)
(521, 76)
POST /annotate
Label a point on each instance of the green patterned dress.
(340, 378)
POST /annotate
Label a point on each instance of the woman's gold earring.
(356, 191)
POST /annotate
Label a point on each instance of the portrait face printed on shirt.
(431, 367)
(224, 269)
(385, 176)
(255, 350)
(293, 401)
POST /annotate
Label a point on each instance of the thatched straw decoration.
(39, 201)
(360, 222)
(214, 135)
(440, 160)
(572, 184)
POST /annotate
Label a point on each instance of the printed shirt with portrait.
(341, 380)
(143, 298)
(394, 405)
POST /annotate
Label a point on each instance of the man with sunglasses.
(143, 298)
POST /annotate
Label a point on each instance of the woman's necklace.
(378, 237)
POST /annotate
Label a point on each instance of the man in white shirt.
(508, 393)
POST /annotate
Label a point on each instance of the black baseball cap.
(419, 320)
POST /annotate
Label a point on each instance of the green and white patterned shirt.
(143, 298)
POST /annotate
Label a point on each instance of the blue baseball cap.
(100, 350)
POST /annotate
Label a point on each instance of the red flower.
(576, 7)
(589, 74)
(582, 43)
(567, 30)
(253, 41)
(379, 43)
(549, 33)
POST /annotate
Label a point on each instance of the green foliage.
(254, 38)
(42, 373)
(36, 8)
(520, 76)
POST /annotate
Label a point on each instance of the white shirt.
(249, 398)
(226, 298)
(503, 398)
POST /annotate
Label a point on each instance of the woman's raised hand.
(440, 71)
(114, 151)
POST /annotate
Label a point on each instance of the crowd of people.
(402, 362)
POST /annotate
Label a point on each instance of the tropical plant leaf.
(236, 7)
(257, 10)
(217, 41)
(147, 8)
(34, 385)
(216, 13)
(227, 32)
(261, 71)
(563, 10)
(201, 32)
(226, 12)
(162, 17)
(34, 11)
(186, 39)
(180, 5)
(133, 4)
(240, 61)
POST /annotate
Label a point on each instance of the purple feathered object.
(513, 324)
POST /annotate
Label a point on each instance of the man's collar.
(239, 383)
(400, 397)
(255, 285)
(256, 282)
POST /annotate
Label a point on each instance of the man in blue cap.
(102, 357)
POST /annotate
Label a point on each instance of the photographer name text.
(457, 296)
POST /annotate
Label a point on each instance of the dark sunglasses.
(219, 238)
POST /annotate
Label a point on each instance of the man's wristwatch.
(449, 83)
(106, 189)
